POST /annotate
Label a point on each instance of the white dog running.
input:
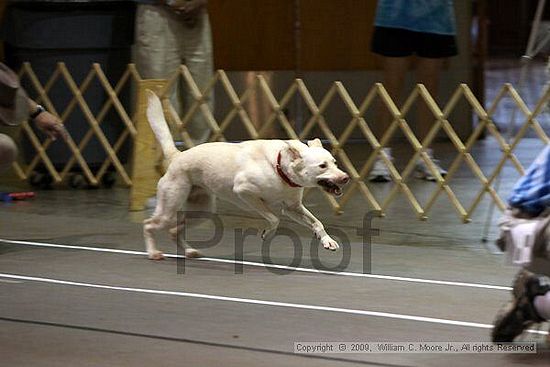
(259, 174)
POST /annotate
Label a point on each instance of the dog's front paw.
(156, 255)
(329, 244)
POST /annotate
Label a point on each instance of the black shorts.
(396, 42)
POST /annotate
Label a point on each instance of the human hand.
(188, 8)
(50, 125)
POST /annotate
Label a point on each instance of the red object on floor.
(9, 196)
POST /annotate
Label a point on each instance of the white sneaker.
(423, 172)
(379, 172)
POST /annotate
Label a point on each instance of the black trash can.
(78, 33)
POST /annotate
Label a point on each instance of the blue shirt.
(532, 192)
(430, 16)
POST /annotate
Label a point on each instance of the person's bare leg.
(428, 72)
(395, 70)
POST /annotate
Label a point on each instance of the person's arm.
(45, 121)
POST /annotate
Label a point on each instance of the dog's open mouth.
(330, 187)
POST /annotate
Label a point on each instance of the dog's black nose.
(345, 179)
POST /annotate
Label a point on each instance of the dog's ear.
(315, 143)
(292, 152)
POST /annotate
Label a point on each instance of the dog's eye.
(323, 165)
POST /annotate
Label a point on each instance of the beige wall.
(261, 35)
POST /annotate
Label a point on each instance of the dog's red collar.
(282, 174)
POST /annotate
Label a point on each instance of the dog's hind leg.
(198, 200)
(170, 196)
(150, 226)
(180, 240)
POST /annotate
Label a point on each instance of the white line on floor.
(271, 266)
(259, 302)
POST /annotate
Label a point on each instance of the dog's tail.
(158, 123)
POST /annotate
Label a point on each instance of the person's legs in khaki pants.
(164, 42)
(196, 47)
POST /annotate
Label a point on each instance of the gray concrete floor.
(70, 293)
